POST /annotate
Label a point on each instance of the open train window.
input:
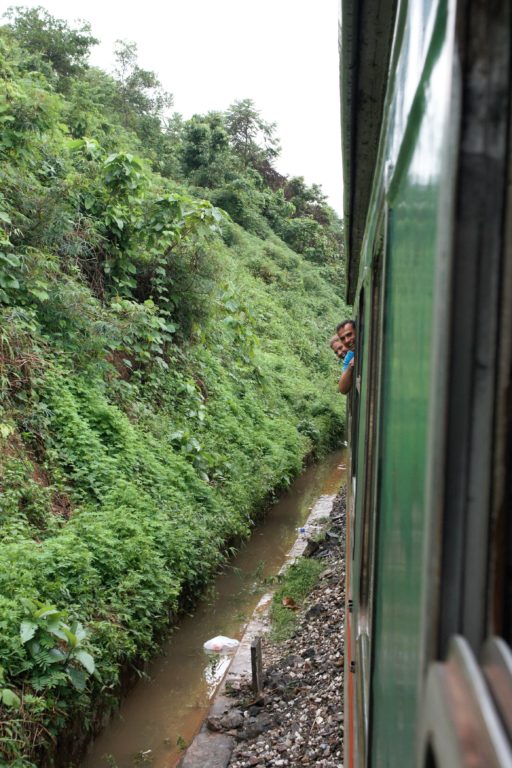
(370, 452)
(373, 376)
(355, 392)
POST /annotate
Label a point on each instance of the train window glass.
(360, 331)
(374, 342)
(354, 400)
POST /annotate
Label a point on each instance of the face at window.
(347, 335)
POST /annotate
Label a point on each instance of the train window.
(372, 398)
(359, 342)
(354, 398)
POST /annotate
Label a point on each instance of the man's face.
(347, 334)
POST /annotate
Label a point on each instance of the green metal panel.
(415, 218)
(400, 534)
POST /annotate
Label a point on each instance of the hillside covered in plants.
(166, 299)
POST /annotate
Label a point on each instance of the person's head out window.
(337, 346)
(346, 331)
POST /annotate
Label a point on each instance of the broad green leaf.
(86, 660)
(79, 630)
(75, 144)
(70, 636)
(56, 656)
(78, 678)
(9, 698)
(45, 611)
(34, 648)
(57, 630)
(39, 293)
(9, 282)
(27, 630)
(10, 258)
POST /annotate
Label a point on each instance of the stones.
(233, 719)
(300, 721)
(315, 610)
(213, 724)
(311, 547)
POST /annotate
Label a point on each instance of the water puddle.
(163, 712)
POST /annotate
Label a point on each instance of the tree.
(252, 138)
(52, 44)
(205, 153)
(141, 94)
(308, 201)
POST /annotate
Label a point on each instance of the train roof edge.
(365, 25)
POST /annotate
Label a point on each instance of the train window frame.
(372, 427)
(354, 395)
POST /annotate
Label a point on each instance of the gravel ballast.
(298, 718)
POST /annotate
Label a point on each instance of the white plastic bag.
(221, 644)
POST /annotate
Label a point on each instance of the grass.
(297, 583)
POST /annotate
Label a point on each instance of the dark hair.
(345, 322)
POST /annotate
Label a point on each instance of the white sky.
(283, 54)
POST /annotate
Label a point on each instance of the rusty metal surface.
(461, 727)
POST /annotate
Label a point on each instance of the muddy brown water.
(164, 710)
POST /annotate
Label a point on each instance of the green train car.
(426, 116)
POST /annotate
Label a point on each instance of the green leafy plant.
(57, 648)
(7, 696)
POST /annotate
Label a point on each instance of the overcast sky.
(283, 54)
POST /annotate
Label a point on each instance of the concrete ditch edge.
(210, 749)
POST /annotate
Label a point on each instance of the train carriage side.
(426, 122)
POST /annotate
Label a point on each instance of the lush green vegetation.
(297, 583)
(163, 365)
